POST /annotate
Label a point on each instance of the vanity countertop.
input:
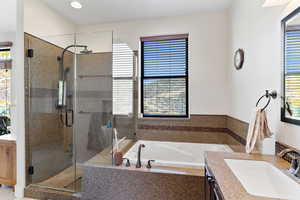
(7, 138)
(228, 183)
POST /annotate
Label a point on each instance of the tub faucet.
(138, 162)
(295, 163)
(286, 151)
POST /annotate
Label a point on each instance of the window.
(290, 107)
(292, 72)
(164, 76)
(5, 81)
(5, 54)
(122, 79)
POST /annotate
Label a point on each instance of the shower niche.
(72, 84)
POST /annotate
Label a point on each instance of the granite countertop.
(8, 138)
(229, 185)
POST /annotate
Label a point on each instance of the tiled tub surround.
(213, 129)
(109, 183)
(216, 129)
(160, 182)
(228, 183)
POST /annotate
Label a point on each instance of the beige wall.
(208, 47)
(42, 21)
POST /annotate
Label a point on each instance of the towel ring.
(269, 96)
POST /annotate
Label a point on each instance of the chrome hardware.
(295, 163)
(149, 166)
(138, 162)
(127, 162)
(269, 95)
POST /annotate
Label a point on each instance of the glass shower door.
(50, 157)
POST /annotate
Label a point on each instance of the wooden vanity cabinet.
(7, 162)
(212, 190)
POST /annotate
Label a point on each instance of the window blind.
(165, 77)
(5, 92)
(292, 71)
(5, 58)
(122, 79)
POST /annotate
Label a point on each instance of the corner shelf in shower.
(95, 76)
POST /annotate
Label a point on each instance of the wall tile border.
(189, 125)
(236, 137)
(281, 146)
(181, 128)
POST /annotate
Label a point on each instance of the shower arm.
(62, 74)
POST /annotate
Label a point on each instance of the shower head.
(61, 58)
(86, 51)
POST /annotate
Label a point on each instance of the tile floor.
(7, 193)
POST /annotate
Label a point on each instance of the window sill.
(165, 118)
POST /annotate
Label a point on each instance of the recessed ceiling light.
(76, 4)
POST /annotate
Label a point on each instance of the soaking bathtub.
(174, 154)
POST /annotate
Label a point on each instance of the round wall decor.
(239, 58)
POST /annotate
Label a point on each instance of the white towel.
(258, 129)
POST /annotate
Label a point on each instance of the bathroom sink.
(261, 178)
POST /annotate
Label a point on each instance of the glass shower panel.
(50, 154)
(124, 87)
(93, 99)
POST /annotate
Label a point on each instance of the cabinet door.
(207, 187)
(217, 195)
(7, 163)
(212, 191)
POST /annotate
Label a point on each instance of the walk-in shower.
(70, 90)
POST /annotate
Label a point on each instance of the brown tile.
(213, 121)
(199, 128)
(47, 193)
(122, 184)
(236, 126)
(280, 147)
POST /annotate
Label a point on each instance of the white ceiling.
(102, 11)
(8, 15)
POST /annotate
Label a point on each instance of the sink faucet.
(295, 163)
(138, 162)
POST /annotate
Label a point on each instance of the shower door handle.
(68, 124)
